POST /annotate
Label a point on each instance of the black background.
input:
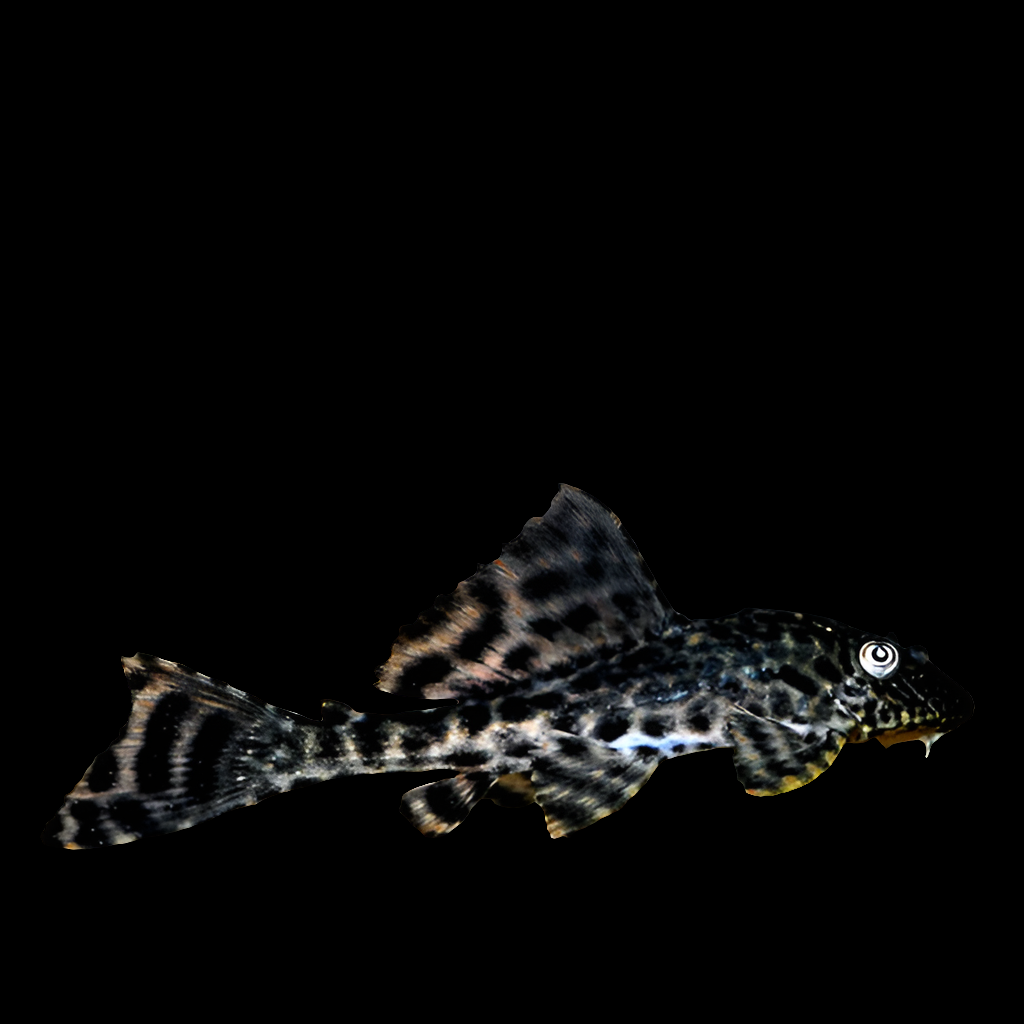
(323, 394)
(322, 316)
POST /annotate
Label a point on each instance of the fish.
(568, 678)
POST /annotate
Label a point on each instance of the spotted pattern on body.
(575, 678)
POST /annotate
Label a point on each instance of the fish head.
(909, 697)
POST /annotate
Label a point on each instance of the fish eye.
(879, 659)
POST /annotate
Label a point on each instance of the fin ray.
(771, 759)
(578, 781)
(571, 586)
(438, 807)
(192, 749)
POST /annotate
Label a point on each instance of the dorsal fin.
(571, 587)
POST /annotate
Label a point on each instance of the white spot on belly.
(632, 740)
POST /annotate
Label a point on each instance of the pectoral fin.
(771, 758)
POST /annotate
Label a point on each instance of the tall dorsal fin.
(571, 587)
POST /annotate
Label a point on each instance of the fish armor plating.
(574, 678)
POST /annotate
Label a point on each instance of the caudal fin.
(192, 748)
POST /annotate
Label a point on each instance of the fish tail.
(192, 749)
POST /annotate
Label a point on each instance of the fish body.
(574, 678)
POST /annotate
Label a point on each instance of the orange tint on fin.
(887, 739)
(812, 770)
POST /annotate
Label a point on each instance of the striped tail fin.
(192, 749)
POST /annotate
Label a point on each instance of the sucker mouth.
(927, 734)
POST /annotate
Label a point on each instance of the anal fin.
(439, 806)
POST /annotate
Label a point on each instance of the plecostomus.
(574, 676)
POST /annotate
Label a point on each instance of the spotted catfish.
(574, 678)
